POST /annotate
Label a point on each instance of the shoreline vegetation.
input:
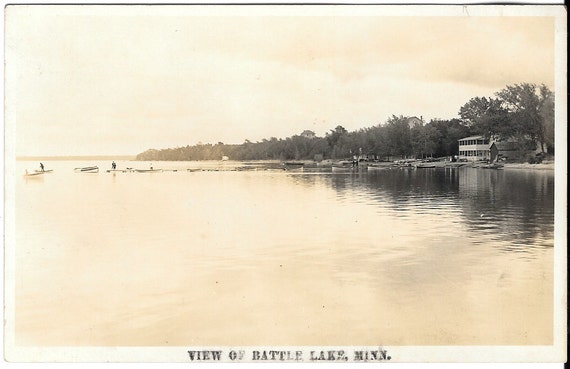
(521, 115)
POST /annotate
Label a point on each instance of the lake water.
(391, 257)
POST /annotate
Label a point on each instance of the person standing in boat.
(42, 167)
(114, 166)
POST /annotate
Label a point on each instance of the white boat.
(348, 166)
(377, 167)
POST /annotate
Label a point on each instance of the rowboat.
(492, 166)
(44, 171)
(377, 167)
(420, 166)
(36, 174)
(454, 165)
(341, 168)
(293, 165)
(347, 167)
(87, 170)
(147, 170)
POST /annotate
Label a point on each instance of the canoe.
(87, 170)
(44, 171)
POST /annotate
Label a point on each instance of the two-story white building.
(474, 148)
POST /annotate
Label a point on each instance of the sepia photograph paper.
(285, 183)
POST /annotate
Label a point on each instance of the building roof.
(414, 121)
(472, 138)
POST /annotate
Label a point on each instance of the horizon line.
(36, 157)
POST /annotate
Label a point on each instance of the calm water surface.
(392, 257)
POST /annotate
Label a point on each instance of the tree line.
(521, 113)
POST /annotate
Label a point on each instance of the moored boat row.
(293, 166)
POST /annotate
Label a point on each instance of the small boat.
(342, 168)
(405, 164)
(147, 170)
(454, 164)
(373, 166)
(425, 165)
(492, 166)
(44, 171)
(87, 170)
(293, 165)
(36, 174)
(347, 166)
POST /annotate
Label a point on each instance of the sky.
(118, 80)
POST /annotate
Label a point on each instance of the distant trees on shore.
(523, 113)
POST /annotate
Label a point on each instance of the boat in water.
(491, 166)
(147, 170)
(293, 165)
(347, 166)
(454, 164)
(93, 169)
(36, 174)
(375, 166)
(425, 165)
